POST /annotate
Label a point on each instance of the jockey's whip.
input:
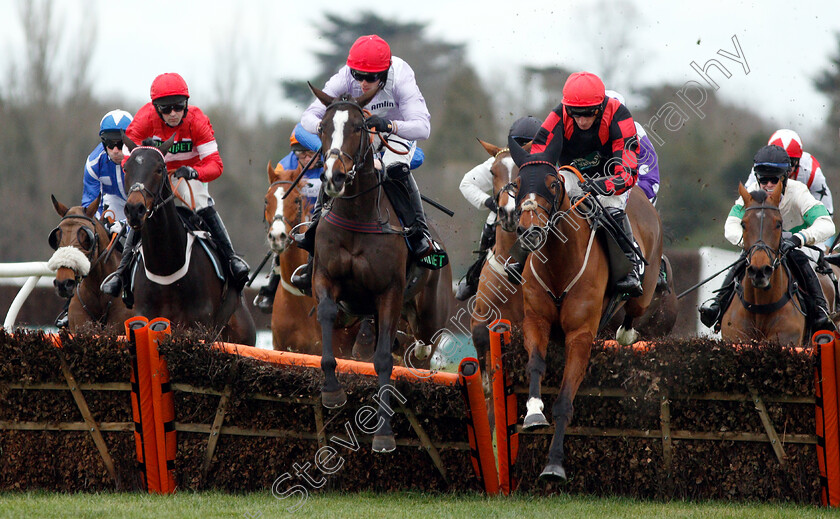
(716, 274)
(437, 205)
(258, 269)
(304, 170)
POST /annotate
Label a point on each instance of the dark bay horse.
(753, 315)
(293, 323)
(361, 257)
(566, 281)
(175, 278)
(84, 256)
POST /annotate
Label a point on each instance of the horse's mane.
(345, 97)
(759, 196)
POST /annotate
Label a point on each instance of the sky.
(260, 42)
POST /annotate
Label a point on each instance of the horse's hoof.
(383, 443)
(333, 399)
(626, 337)
(553, 472)
(534, 420)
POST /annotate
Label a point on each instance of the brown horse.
(765, 309)
(293, 325)
(498, 298)
(361, 257)
(84, 256)
(175, 277)
(566, 281)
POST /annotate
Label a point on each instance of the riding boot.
(118, 281)
(468, 286)
(662, 282)
(265, 297)
(631, 284)
(63, 319)
(711, 311)
(302, 277)
(405, 197)
(820, 320)
(238, 268)
(306, 240)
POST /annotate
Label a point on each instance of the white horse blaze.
(337, 141)
(278, 232)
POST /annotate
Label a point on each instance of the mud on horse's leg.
(332, 394)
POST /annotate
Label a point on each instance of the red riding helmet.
(369, 54)
(789, 140)
(169, 84)
(583, 89)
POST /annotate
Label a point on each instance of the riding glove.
(597, 186)
(186, 172)
(374, 122)
(490, 203)
(790, 243)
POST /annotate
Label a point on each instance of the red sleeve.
(551, 128)
(208, 162)
(624, 145)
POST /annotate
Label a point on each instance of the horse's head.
(539, 192)
(282, 215)
(77, 242)
(345, 141)
(145, 173)
(504, 171)
(762, 224)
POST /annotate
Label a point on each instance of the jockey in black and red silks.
(599, 139)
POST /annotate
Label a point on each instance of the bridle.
(93, 236)
(773, 255)
(361, 153)
(278, 215)
(545, 192)
(157, 198)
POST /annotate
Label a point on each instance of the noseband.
(772, 254)
(278, 216)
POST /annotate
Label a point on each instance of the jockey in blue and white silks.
(103, 174)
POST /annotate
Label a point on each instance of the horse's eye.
(743, 225)
(778, 225)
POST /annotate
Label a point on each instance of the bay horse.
(361, 258)
(84, 256)
(174, 276)
(765, 308)
(293, 323)
(566, 279)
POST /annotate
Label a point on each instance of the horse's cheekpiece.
(437, 259)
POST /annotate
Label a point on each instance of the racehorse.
(293, 325)
(496, 297)
(84, 256)
(765, 308)
(175, 276)
(361, 257)
(566, 280)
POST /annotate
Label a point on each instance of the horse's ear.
(130, 144)
(745, 195)
(491, 149)
(367, 96)
(60, 208)
(164, 147)
(90, 210)
(518, 154)
(324, 98)
(776, 195)
(272, 175)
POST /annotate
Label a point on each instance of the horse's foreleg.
(578, 347)
(536, 343)
(626, 334)
(332, 394)
(388, 308)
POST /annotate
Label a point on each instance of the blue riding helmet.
(115, 121)
(308, 140)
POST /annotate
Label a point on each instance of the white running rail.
(33, 271)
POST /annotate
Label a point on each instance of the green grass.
(207, 505)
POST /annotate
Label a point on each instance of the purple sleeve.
(648, 181)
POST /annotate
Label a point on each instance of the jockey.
(194, 156)
(802, 215)
(648, 161)
(103, 174)
(477, 188)
(304, 145)
(599, 139)
(804, 167)
(398, 110)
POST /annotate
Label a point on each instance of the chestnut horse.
(765, 309)
(174, 277)
(566, 281)
(293, 325)
(84, 256)
(361, 258)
